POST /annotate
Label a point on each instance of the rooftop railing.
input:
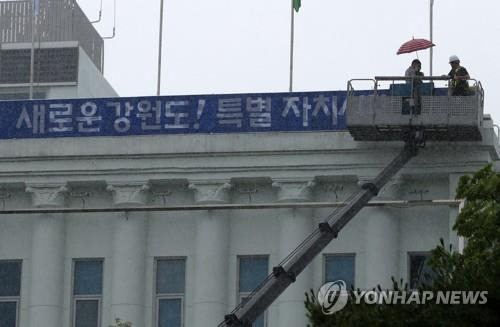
(57, 20)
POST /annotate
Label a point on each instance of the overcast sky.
(242, 46)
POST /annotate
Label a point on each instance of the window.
(419, 270)
(10, 293)
(170, 286)
(340, 266)
(252, 271)
(87, 292)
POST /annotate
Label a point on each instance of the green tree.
(477, 269)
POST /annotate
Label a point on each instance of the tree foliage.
(476, 269)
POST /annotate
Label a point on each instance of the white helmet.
(453, 58)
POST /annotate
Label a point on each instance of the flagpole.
(32, 57)
(431, 18)
(291, 46)
(159, 49)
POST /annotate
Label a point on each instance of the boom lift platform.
(388, 114)
(375, 116)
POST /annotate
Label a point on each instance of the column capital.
(129, 193)
(210, 192)
(47, 195)
(294, 190)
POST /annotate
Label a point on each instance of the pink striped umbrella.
(415, 45)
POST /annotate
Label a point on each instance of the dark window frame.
(168, 296)
(425, 254)
(345, 254)
(86, 297)
(16, 298)
(240, 296)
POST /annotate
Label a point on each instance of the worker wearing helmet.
(459, 77)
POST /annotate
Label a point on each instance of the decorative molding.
(129, 193)
(3, 196)
(334, 188)
(211, 192)
(294, 191)
(47, 195)
(249, 189)
(81, 195)
(163, 195)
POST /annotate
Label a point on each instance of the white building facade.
(190, 268)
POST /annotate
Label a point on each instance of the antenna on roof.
(114, 23)
(100, 16)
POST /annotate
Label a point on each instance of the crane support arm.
(286, 272)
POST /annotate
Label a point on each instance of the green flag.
(296, 5)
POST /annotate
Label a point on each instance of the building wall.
(90, 82)
(197, 169)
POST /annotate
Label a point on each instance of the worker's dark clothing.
(414, 107)
(459, 87)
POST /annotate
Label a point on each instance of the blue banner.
(191, 114)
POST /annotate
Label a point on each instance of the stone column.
(47, 258)
(295, 226)
(129, 254)
(381, 239)
(211, 256)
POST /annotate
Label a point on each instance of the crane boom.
(286, 272)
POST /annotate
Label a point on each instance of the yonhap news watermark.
(333, 297)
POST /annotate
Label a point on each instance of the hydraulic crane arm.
(285, 273)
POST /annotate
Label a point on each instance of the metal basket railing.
(381, 113)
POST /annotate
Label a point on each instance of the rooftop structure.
(68, 51)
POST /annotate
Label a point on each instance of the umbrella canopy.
(415, 45)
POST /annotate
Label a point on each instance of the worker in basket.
(458, 76)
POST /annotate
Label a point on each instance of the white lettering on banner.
(259, 110)
(122, 122)
(291, 103)
(61, 114)
(336, 112)
(199, 112)
(37, 122)
(86, 123)
(229, 112)
(149, 114)
(24, 117)
(321, 104)
(306, 107)
(177, 115)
